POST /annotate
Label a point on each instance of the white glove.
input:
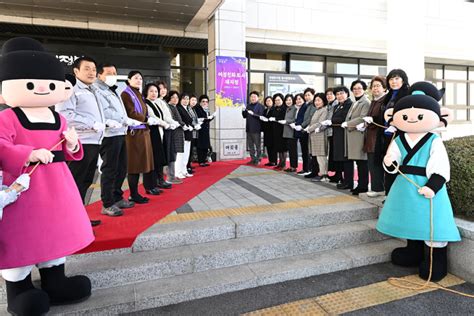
(298, 128)
(391, 129)
(190, 128)
(283, 122)
(368, 119)
(292, 125)
(326, 123)
(360, 127)
(132, 122)
(173, 127)
(344, 125)
(197, 127)
(211, 116)
(112, 123)
(316, 130)
(306, 129)
(185, 128)
(153, 121)
(24, 181)
(250, 112)
(98, 127)
(263, 118)
(272, 119)
(201, 119)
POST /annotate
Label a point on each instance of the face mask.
(110, 80)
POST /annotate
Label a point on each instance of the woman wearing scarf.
(156, 132)
(138, 141)
(191, 110)
(204, 140)
(178, 137)
(182, 159)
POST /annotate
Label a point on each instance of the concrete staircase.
(183, 261)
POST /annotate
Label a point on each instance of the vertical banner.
(231, 95)
(231, 81)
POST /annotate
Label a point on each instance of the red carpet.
(120, 232)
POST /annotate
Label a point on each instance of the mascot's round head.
(419, 111)
(30, 77)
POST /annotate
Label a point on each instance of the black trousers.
(114, 169)
(293, 151)
(314, 165)
(149, 182)
(202, 155)
(272, 154)
(338, 168)
(191, 152)
(362, 172)
(374, 162)
(304, 151)
(83, 170)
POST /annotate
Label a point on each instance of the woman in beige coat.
(355, 133)
(318, 138)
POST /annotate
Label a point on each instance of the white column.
(406, 37)
(226, 31)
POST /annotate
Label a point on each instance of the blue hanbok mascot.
(421, 156)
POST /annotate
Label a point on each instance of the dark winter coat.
(338, 133)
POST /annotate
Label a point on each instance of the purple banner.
(231, 81)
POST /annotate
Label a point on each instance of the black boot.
(440, 264)
(409, 256)
(26, 300)
(64, 290)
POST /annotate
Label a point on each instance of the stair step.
(167, 291)
(214, 229)
(114, 270)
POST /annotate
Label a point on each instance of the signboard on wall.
(231, 81)
(291, 83)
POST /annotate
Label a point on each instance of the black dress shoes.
(95, 222)
(154, 191)
(139, 199)
(342, 186)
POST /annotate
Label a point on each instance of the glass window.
(471, 73)
(188, 80)
(341, 66)
(373, 67)
(187, 59)
(269, 62)
(433, 72)
(302, 63)
(257, 83)
(456, 93)
(455, 72)
(471, 93)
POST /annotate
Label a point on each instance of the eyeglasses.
(377, 86)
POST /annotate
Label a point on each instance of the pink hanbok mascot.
(48, 222)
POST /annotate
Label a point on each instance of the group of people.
(334, 131)
(145, 130)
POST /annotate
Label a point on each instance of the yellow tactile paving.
(353, 299)
(334, 199)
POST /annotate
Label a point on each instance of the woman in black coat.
(156, 133)
(182, 107)
(268, 141)
(397, 84)
(279, 144)
(338, 135)
(204, 140)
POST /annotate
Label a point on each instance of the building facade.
(289, 45)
